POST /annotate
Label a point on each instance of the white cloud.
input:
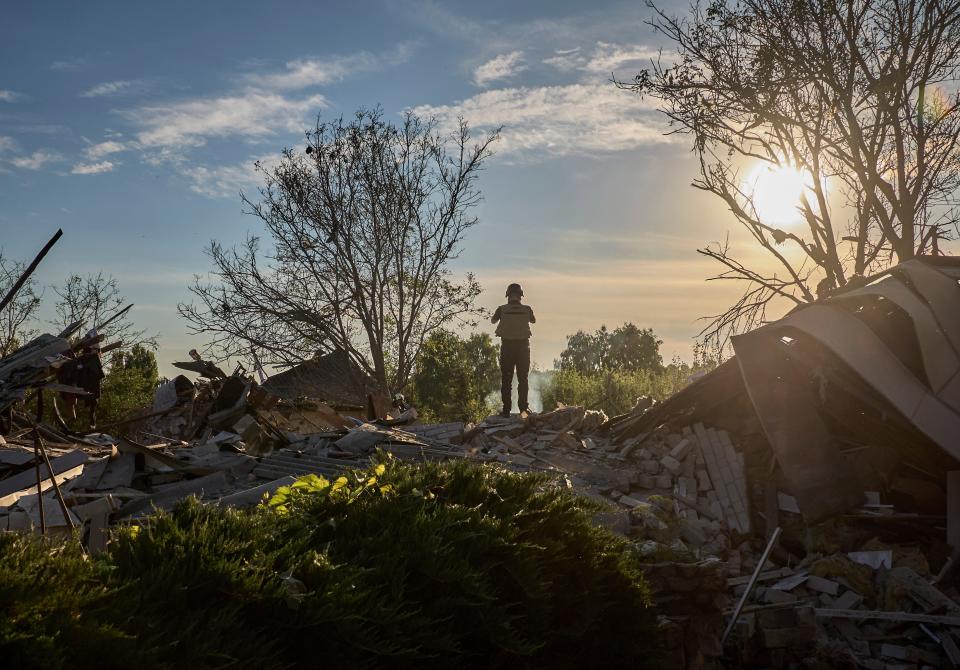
(108, 88)
(7, 143)
(503, 66)
(608, 57)
(604, 59)
(565, 59)
(252, 115)
(311, 72)
(97, 151)
(558, 120)
(92, 168)
(9, 96)
(36, 160)
(226, 181)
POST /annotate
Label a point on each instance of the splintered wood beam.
(29, 271)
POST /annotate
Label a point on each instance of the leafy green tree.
(455, 375)
(633, 348)
(628, 348)
(129, 384)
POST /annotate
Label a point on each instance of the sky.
(134, 128)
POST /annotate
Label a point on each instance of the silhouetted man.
(513, 330)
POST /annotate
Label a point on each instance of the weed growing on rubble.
(437, 565)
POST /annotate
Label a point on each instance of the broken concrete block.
(848, 601)
(646, 481)
(686, 488)
(681, 449)
(664, 481)
(790, 582)
(650, 467)
(629, 501)
(875, 559)
(775, 597)
(787, 503)
(671, 464)
(821, 585)
(692, 532)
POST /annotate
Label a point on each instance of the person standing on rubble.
(513, 329)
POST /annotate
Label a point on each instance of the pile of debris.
(98, 479)
(801, 501)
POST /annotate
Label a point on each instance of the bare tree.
(363, 227)
(860, 95)
(95, 299)
(16, 317)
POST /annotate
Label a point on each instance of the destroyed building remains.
(801, 500)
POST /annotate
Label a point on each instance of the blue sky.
(134, 126)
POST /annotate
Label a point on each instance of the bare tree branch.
(362, 229)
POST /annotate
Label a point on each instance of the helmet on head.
(514, 289)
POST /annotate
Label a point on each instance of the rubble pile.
(797, 505)
(223, 439)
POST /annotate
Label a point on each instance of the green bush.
(454, 376)
(439, 565)
(614, 391)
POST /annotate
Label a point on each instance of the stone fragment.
(664, 481)
(650, 467)
(671, 464)
(848, 601)
(822, 585)
(681, 449)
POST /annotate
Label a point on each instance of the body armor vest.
(514, 322)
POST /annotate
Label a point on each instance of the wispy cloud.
(503, 66)
(92, 168)
(558, 120)
(605, 58)
(263, 105)
(227, 180)
(565, 59)
(252, 115)
(109, 88)
(7, 144)
(311, 72)
(10, 96)
(36, 160)
(68, 65)
(97, 151)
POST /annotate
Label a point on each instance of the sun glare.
(776, 192)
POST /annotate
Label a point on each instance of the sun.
(776, 192)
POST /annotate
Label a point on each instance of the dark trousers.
(514, 354)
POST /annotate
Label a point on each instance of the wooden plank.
(129, 446)
(878, 615)
(753, 581)
(66, 466)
